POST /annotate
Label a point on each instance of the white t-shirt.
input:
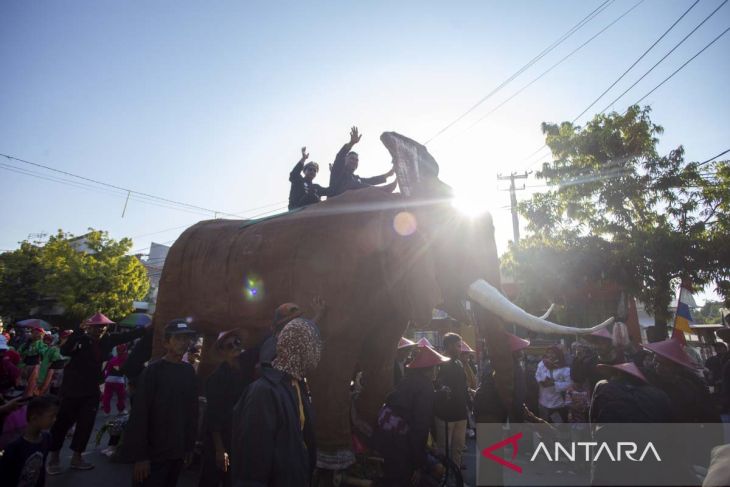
(553, 396)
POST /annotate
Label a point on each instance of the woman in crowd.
(553, 376)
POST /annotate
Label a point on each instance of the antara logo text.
(581, 450)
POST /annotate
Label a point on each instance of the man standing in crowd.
(303, 190)
(87, 348)
(452, 402)
(222, 390)
(342, 172)
(273, 436)
(553, 376)
(163, 424)
(404, 421)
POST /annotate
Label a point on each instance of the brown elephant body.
(375, 274)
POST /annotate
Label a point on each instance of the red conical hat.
(465, 348)
(672, 350)
(423, 342)
(98, 320)
(516, 343)
(427, 357)
(405, 343)
(602, 333)
(627, 367)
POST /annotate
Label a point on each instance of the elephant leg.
(377, 357)
(330, 387)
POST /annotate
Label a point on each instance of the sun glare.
(470, 203)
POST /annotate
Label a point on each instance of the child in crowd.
(160, 435)
(51, 363)
(23, 463)
(114, 382)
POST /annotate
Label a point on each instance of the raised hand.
(355, 136)
(305, 155)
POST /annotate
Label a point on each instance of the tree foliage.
(645, 219)
(100, 277)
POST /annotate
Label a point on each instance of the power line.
(559, 63)
(542, 54)
(664, 57)
(80, 185)
(713, 158)
(643, 76)
(637, 61)
(126, 190)
(683, 65)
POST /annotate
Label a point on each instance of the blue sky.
(209, 103)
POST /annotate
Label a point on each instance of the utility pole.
(513, 200)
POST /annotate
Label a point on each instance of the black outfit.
(403, 426)
(303, 192)
(452, 406)
(80, 387)
(583, 369)
(625, 400)
(689, 397)
(715, 365)
(398, 371)
(140, 354)
(222, 390)
(270, 446)
(24, 463)
(342, 180)
(488, 406)
(163, 424)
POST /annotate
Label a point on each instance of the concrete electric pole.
(513, 200)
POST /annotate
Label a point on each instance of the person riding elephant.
(342, 171)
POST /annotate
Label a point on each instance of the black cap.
(179, 327)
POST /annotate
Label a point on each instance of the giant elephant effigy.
(379, 259)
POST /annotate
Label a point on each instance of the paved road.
(111, 474)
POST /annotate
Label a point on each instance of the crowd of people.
(257, 423)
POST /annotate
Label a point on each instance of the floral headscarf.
(298, 348)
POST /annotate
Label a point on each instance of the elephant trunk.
(491, 299)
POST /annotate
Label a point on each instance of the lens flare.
(253, 289)
(405, 223)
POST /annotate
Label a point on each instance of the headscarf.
(298, 348)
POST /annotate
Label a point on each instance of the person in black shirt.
(452, 409)
(342, 172)
(162, 427)
(404, 421)
(273, 434)
(222, 390)
(88, 348)
(23, 463)
(303, 191)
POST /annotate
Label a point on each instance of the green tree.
(651, 220)
(20, 278)
(100, 277)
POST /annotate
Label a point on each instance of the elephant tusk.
(547, 313)
(491, 299)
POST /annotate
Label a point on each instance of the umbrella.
(136, 320)
(34, 323)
